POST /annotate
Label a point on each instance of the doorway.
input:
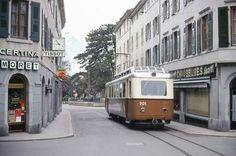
(17, 103)
(233, 103)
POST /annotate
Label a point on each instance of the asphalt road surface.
(97, 135)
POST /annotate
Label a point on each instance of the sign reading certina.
(19, 53)
(20, 65)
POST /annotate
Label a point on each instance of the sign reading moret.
(20, 65)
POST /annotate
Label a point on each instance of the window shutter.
(171, 46)
(223, 27)
(199, 36)
(35, 21)
(210, 31)
(168, 49)
(158, 54)
(4, 18)
(194, 38)
(184, 42)
(162, 50)
(178, 44)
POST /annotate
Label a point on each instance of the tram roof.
(143, 71)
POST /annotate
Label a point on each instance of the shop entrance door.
(233, 109)
(17, 104)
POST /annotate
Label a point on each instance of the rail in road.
(164, 138)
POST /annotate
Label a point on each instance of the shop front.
(192, 94)
(17, 103)
(233, 104)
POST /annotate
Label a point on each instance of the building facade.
(30, 90)
(196, 42)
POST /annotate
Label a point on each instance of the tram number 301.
(142, 103)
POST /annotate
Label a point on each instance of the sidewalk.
(194, 130)
(60, 127)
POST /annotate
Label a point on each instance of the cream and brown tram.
(141, 95)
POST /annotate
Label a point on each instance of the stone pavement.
(61, 127)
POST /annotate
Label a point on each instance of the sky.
(82, 16)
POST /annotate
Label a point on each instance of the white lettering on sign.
(20, 65)
(20, 53)
(54, 53)
(12, 65)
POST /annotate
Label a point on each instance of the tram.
(141, 95)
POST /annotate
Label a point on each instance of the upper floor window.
(137, 40)
(189, 39)
(19, 19)
(186, 2)
(18, 14)
(175, 6)
(155, 26)
(205, 33)
(166, 9)
(148, 31)
(233, 29)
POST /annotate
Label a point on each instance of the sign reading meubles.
(20, 65)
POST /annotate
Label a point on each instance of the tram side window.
(153, 88)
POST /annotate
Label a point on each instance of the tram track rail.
(184, 151)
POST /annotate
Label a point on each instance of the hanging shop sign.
(200, 71)
(20, 65)
(54, 53)
(61, 74)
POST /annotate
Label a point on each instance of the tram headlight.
(142, 109)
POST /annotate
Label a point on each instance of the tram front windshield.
(153, 88)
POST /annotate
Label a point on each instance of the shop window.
(197, 101)
(177, 99)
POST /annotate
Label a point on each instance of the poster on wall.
(18, 115)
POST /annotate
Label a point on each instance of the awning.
(192, 83)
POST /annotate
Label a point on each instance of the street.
(97, 135)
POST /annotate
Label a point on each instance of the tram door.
(233, 109)
(16, 104)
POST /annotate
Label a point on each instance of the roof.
(129, 14)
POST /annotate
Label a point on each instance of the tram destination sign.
(199, 71)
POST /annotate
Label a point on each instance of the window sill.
(16, 40)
